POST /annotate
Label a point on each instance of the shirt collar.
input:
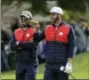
(63, 22)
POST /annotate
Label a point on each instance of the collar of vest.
(28, 26)
(63, 22)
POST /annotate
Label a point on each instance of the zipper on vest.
(24, 31)
(56, 33)
(56, 28)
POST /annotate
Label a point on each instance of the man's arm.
(68, 67)
(71, 44)
(13, 44)
(27, 45)
(39, 36)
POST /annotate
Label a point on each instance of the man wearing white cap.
(24, 43)
(59, 39)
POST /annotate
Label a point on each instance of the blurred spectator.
(4, 60)
(82, 22)
(15, 24)
(87, 31)
(41, 51)
(80, 37)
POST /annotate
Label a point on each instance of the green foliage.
(40, 5)
(72, 15)
(80, 68)
(73, 4)
(37, 5)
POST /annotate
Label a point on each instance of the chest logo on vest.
(60, 33)
(27, 35)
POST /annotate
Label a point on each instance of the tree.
(40, 5)
(73, 4)
(37, 5)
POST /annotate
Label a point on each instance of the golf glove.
(68, 68)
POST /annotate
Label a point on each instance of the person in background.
(14, 24)
(80, 37)
(24, 43)
(59, 37)
(87, 31)
(4, 59)
(82, 24)
(41, 51)
(40, 48)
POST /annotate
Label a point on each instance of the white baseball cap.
(27, 14)
(56, 10)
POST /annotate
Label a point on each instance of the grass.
(80, 69)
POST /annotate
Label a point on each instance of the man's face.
(54, 17)
(24, 20)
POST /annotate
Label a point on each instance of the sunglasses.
(23, 18)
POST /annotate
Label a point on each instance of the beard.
(55, 20)
(26, 25)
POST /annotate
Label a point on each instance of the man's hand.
(36, 25)
(34, 22)
(37, 28)
(68, 68)
(17, 43)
